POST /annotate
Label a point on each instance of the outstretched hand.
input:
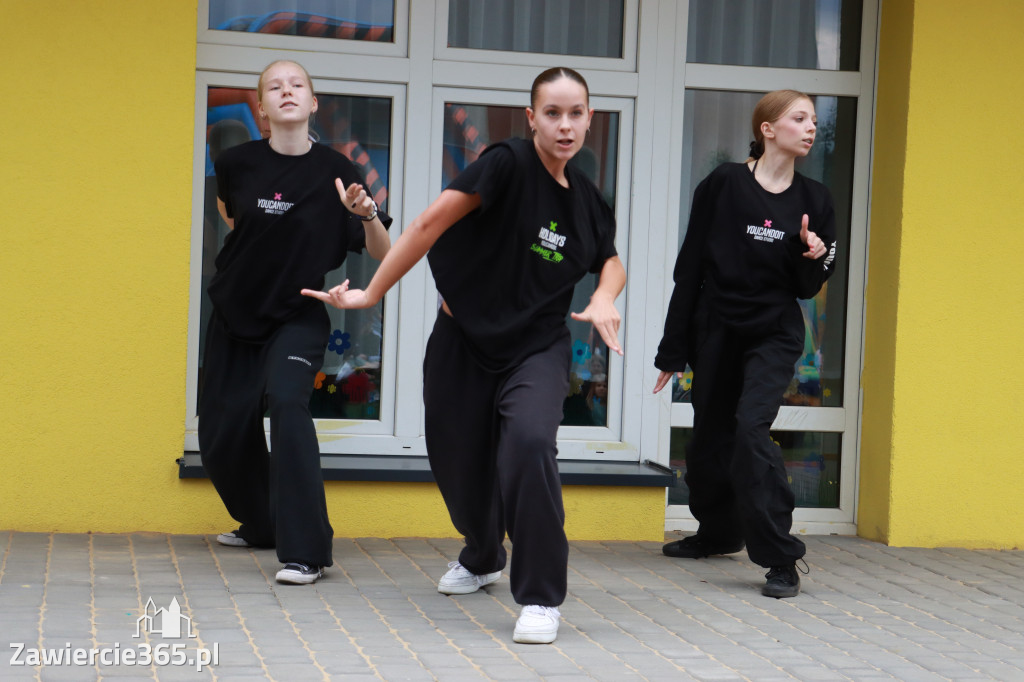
(815, 247)
(341, 297)
(355, 198)
(602, 313)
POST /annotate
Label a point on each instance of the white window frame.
(221, 56)
(335, 435)
(538, 60)
(845, 419)
(397, 48)
(647, 87)
(574, 442)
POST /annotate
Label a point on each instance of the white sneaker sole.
(534, 637)
(232, 540)
(291, 578)
(469, 589)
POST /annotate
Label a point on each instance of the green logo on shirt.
(550, 242)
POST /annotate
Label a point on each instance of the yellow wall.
(97, 175)
(945, 299)
(97, 159)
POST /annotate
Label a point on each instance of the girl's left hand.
(601, 313)
(815, 247)
(355, 198)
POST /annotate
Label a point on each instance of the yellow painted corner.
(881, 294)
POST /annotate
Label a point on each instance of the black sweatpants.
(278, 498)
(739, 488)
(491, 444)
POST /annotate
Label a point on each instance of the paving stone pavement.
(867, 612)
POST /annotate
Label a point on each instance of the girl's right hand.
(342, 297)
(663, 378)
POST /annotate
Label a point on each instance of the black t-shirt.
(291, 229)
(743, 251)
(508, 269)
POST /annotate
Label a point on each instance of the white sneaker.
(299, 574)
(458, 580)
(537, 625)
(232, 539)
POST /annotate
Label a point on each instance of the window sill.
(417, 470)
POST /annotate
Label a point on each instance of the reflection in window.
(717, 130)
(348, 385)
(468, 129)
(367, 20)
(812, 465)
(589, 28)
(798, 34)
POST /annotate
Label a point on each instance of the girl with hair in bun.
(295, 208)
(508, 240)
(760, 236)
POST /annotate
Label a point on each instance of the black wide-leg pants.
(491, 443)
(739, 488)
(277, 497)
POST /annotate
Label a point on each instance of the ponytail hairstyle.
(553, 74)
(770, 109)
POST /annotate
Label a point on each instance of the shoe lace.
(537, 609)
(458, 569)
(776, 571)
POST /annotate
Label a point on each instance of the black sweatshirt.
(743, 250)
(291, 229)
(508, 269)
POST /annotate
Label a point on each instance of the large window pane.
(468, 129)
(368, 20)
(589, 28)
(348, 385)
(812, 465)
(716, 130)
(800, 34)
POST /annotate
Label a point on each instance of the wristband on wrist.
(373, 213)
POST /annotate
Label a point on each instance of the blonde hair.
(259, 84)
(770, 109)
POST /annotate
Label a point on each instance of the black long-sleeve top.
(743, 250)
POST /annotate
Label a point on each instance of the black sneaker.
(782, 581)
(693, 547)
(299, 574)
